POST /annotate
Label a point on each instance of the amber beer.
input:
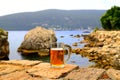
(57, 57)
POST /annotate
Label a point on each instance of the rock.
(102, 47)
(77, 36)
(45, 70)
(86, 31)
(4, 44)
(16, 70)
(38, 70)
(61, 36)
(21, 62)
(19, 75)
(104, 76)
(5, 69)
(71, 35)
(113, 74)
(37, 40)
(99, 44)
(116, 61)
(85, 74)
(75, 44)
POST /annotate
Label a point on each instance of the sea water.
(15, 39)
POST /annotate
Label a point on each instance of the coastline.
(103, 48)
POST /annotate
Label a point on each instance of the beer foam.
(56, 48)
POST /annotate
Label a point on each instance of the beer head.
(56, 48)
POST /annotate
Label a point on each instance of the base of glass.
(57, 66)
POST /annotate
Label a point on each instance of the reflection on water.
(16, 38)
(5, 58)
(36, 57)
(79, 60)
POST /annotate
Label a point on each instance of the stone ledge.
(12, 70)
(44, 70)
(85, 74)
(21, 62)
(19, 75)
(6, 69)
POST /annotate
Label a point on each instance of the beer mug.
(57, 52)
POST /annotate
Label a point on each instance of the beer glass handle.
(69, 49)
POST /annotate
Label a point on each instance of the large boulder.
(38, 41)
(4, 44)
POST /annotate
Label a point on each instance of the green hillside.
(60, 19)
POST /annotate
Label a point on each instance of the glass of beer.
(57, 52)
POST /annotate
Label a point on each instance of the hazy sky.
(16, 6)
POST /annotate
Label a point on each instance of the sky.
(17, 6)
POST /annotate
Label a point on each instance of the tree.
(111, 19)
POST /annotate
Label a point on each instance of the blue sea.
(15, 38)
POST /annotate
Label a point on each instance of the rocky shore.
(4, 44)
(38, 70)
(103, 48)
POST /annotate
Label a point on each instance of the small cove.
(16, 37)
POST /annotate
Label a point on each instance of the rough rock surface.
(114, 74)
(38, 70)
(4, 44)
(45, 70)
(38, 41)
(80, 74)
(116, 61)
(103, 47)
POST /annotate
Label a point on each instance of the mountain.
(52, 18)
